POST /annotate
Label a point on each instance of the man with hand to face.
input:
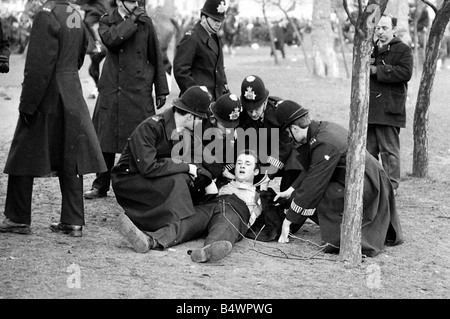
(132, 67)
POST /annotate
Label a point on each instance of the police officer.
(318, 193)
(159, 168)
(54, 134)
(4, 51)
(259, 114)
(133, 66)
(219, 137)
(199, 57)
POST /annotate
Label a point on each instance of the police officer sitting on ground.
(156, 173)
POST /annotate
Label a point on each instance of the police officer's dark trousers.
(19, 199)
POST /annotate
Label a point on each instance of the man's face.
(210, 24)
(384, 30)
(125, 7)
(298, 134)
(258, 113)
(245, 169)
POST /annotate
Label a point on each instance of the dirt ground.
(102, 265)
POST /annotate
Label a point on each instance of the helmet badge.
(250, 94)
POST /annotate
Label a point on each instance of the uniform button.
(127, 170)
(138, 160)
(119, 88)
(120, 69)
(121, 50)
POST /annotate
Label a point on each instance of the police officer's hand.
(284, 195)
(4, 64)
(285, 228)
(373, 69)
(26, 118)
(137, 13)
(160, 101)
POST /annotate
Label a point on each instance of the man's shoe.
(140, 241)
(72, 230)
(8, 226)
(213, 252)
(94, 193)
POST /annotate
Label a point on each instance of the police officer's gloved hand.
(160, 101)
(4, 64)
(137, 13)
(26, 118)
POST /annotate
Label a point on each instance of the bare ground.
(102, 265)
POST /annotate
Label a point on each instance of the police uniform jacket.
(132, 66)
(61, 136)
(150, 183)
(199, 61)
(320, 189)
(389, 86)
(276, 151)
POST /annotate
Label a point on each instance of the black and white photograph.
(228, 156)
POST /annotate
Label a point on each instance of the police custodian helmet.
(215, 9)
(287, 112)
(195, 100)
(227, 109)
(253, 92)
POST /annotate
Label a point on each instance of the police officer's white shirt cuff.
(275, 162)
(302, 211)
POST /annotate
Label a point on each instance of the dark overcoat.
(133, 65)
(199, 61)
(152, 188)
(61, 136)
(322, 186)
(389, 86)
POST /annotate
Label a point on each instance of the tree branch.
(431, 5)
(345, 4)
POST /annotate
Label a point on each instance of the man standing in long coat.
(319, 191)
(54, 132)
(199, 56)
(132, 66)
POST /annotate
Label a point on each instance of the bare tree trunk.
(269, 26)
(324, 57)
(350, 247)
(420, 153)
(400, 10)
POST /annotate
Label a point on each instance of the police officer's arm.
(182, 63)
(400, 72)
(114, 35)
(325, 158)
(143, 147)
(155, 58)
(43, 50)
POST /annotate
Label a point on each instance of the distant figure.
(4, 51)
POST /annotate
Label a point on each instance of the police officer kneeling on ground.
(318, 193)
